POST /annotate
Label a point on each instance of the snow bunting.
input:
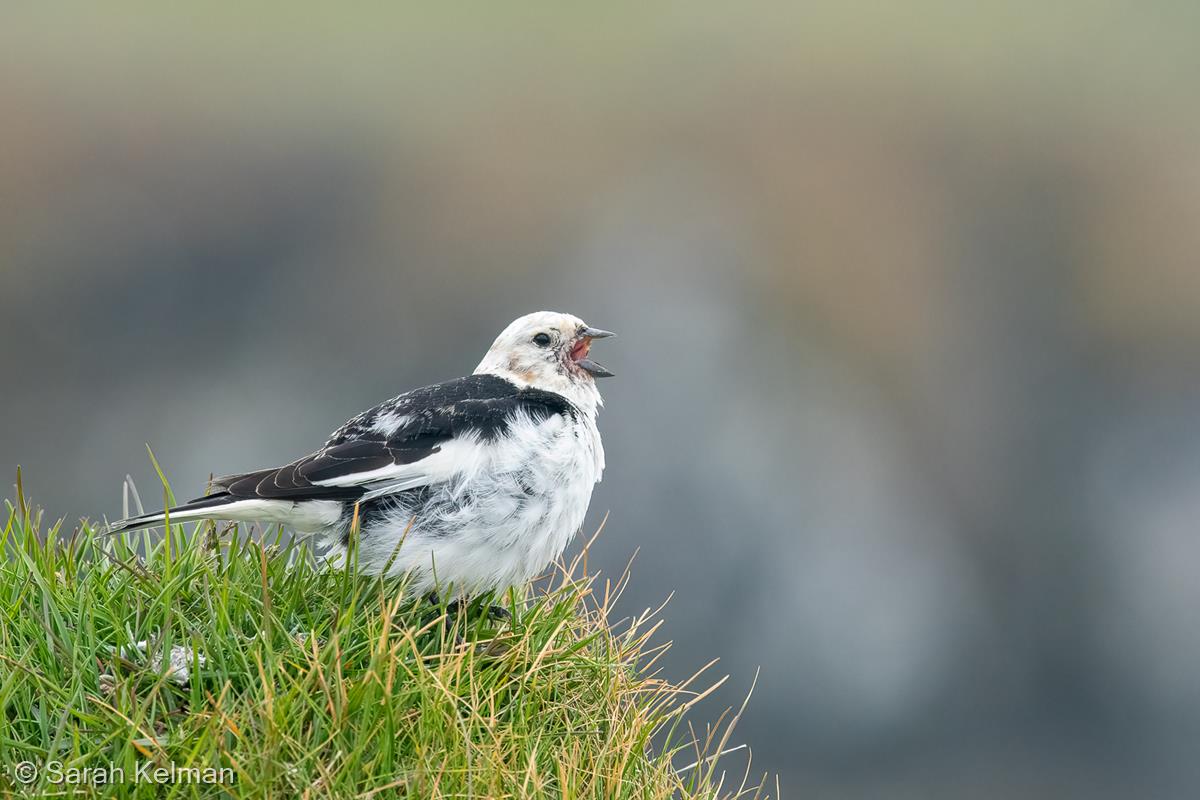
(472, 485)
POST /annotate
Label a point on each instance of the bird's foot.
(494, 612)
(461, 609)
(499, 613)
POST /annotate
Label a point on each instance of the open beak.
(579, 353)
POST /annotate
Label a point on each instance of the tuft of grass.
(312, 682)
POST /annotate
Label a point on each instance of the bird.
(466, 487)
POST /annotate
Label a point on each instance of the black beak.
(595, 369)
(596, 333)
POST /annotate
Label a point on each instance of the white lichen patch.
(177, 663)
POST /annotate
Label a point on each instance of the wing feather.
(417, 439)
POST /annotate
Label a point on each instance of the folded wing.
(420, 438)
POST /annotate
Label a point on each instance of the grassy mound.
(212, 665)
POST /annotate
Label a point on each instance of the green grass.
(319, 682)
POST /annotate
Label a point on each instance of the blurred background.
(907, 408)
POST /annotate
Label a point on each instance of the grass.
(310, 682)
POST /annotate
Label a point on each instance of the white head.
(549, 351)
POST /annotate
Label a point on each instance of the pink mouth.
(580, 349)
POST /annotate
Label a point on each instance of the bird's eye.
(542, 339)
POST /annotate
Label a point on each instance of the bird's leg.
(435, 601)
(453, 609)
(460, 607)
(494, 612)
(498, 612)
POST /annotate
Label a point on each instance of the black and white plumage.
(485, 478)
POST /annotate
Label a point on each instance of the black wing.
(403, 430)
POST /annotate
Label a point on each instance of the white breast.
(505, 520)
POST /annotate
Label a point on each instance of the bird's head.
(550, 351)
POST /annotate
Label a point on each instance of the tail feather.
(304, 516)
(201, 508)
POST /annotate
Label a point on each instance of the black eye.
(542, 339)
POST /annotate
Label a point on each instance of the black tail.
(182, 513)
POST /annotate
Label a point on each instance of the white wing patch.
(459, 457)
(389, 423)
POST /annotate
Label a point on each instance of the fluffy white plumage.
(469, 486)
